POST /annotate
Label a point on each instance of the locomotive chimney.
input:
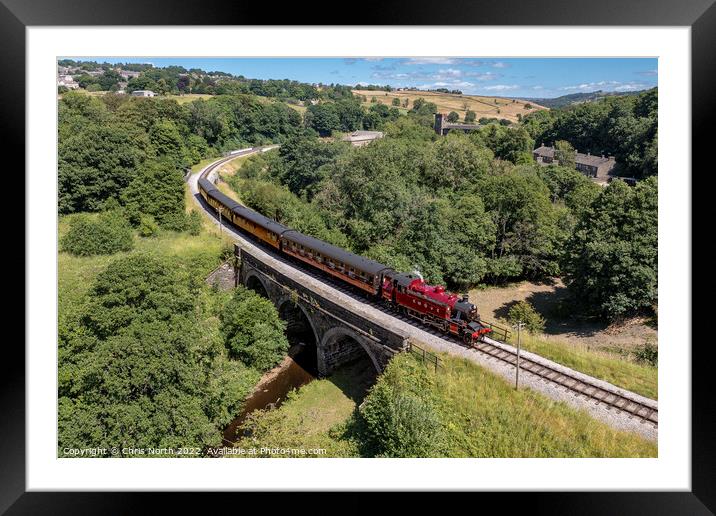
(465, 298)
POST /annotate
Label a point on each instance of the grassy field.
(446, 102)
(191, 253)
(189, 97)
(481, 416)
(486, 417)
(639, 378)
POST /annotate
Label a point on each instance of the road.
(436, 343)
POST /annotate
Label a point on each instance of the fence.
(426, 356)
(498, 332)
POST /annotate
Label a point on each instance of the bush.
(148, 226)
(525, 312)
(107, 234)
(401, 419)
(194, 223)
(175, 221)
(648, 353)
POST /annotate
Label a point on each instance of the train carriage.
(356, 270)
(264, 228)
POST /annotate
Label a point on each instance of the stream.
(293, 372)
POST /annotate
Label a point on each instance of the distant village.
(67, 76)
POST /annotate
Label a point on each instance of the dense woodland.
(466, 210)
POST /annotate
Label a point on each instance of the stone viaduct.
(341, 335)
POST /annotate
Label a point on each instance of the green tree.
(470, 117)
(525, 221)
(301, 166)
(138, 369)
(396, 102)
(96, 163)
(453, 117)
(253, 331)
(524, 312)
(400, 419)
(158, 190)
(323, 118)
(611, 260)
(565, 153)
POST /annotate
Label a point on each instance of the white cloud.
(500, 64)
(430, 60)
(501, 87)
(606, 85)
(630, 87)
(445, 84)
(450, 72)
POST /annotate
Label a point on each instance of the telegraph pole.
(519, 327)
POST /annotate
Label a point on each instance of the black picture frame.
(700, 15)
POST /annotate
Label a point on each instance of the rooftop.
(363, 135)
(585, 159)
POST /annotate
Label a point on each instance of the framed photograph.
(440, 244)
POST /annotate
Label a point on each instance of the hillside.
(578, 98)
(446, 102)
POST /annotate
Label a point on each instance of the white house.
(143, 93)
(67, 81)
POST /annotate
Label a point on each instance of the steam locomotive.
(406, 293)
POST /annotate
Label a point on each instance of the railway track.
(577, 384)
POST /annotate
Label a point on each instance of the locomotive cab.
(465, 311)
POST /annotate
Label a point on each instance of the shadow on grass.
(558, 309)
(355, 379)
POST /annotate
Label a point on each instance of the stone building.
(143, 93)
(442, 127)
(596, 167)
(360, 138)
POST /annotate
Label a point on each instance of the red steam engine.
(433, 305)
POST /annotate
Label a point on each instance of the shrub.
(525, 312)
(175, 221)
(648, 353)
(148, 227)
(401, 419)
(107, 234)
(194, 223)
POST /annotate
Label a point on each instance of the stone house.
(594, 166)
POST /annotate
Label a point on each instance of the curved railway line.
(596, 392)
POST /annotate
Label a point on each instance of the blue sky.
(510, 77)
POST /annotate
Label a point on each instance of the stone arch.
(337, 333)
(281, 306)
(255, 282)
